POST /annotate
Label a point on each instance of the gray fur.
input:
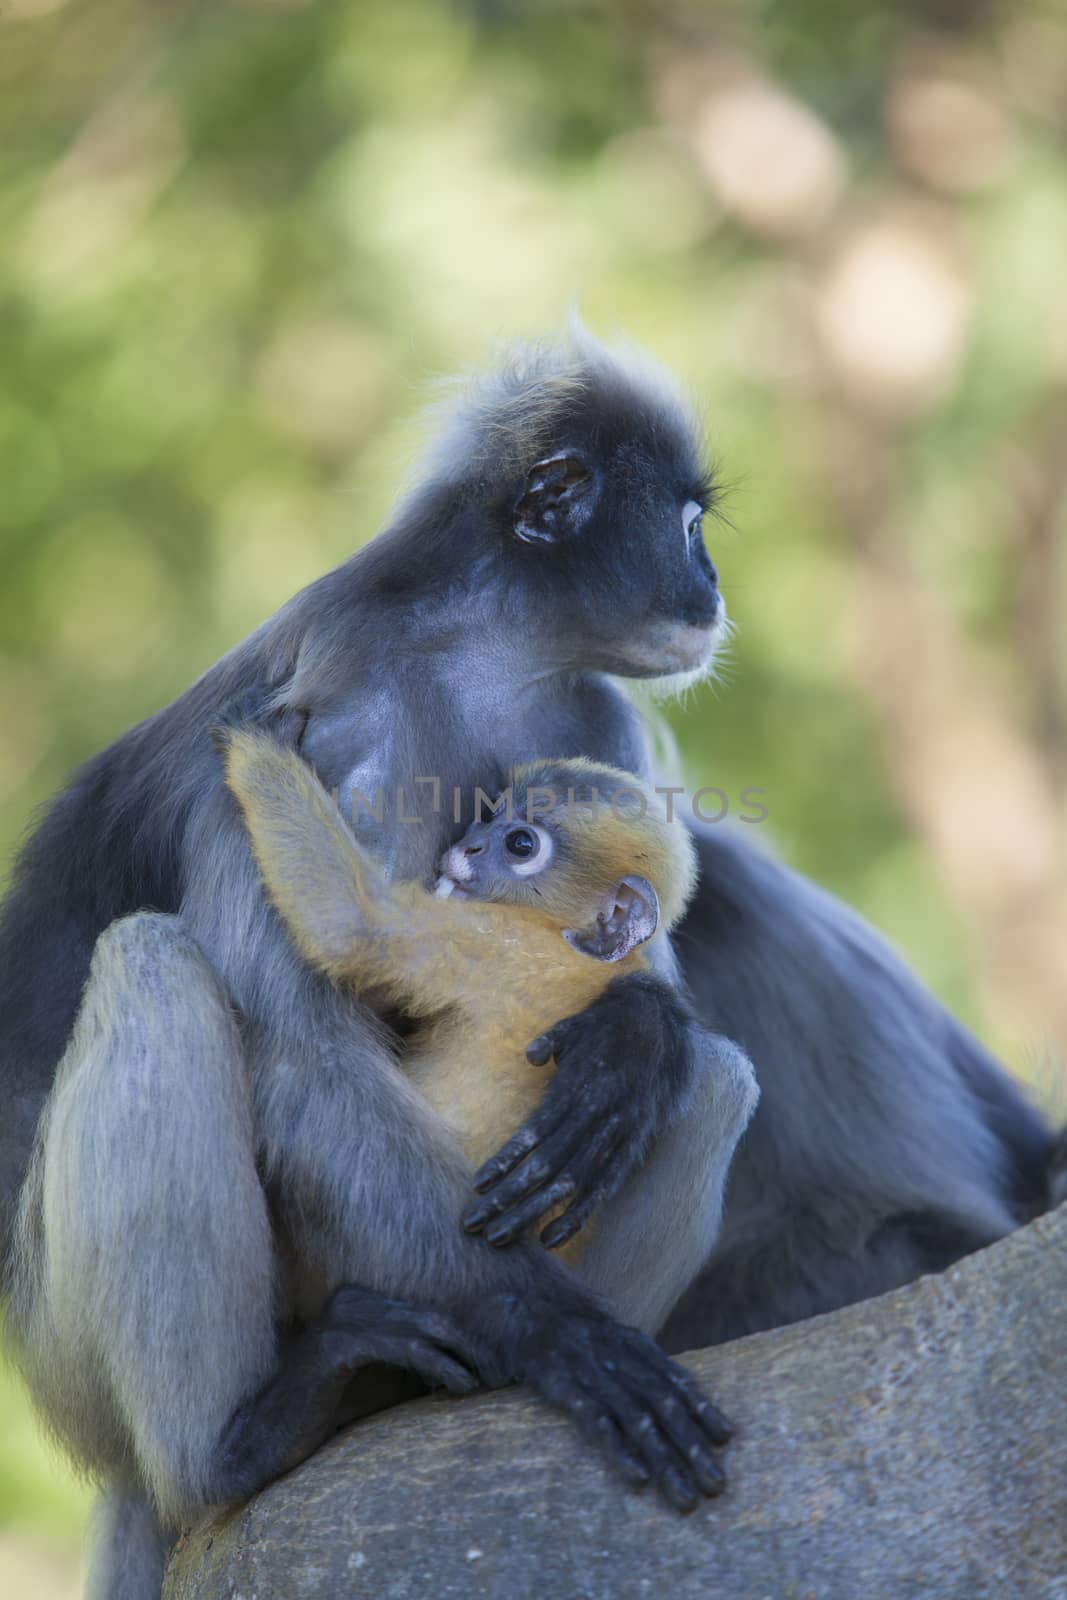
(660, 1229)
(504, 417)
(114, 1340)
(120, 1288)
(129, 1548)
(886, 1142)
(197, 1178)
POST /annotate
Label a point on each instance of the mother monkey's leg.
(143, 1299)
(653, 1238)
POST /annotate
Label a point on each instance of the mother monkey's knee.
(653, 1238)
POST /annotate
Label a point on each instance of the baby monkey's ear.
(628, 917)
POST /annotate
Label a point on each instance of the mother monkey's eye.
(692, 517)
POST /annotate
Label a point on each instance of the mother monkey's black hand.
(623, 1072)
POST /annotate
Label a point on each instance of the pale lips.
(454, 868)
(447, 888)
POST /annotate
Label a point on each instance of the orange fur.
(485, 979)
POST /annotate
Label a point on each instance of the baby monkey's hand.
(623, 1069)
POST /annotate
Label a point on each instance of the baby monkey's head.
(588, 846)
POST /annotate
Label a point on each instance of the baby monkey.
(535, 912)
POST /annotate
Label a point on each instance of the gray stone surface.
(911, 1447)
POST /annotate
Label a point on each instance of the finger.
(558, 1152)
(540, 1167)
(678, 1490)
(593, 1421)
(529, 1136)
(712, 1422)
(636, 1420)
(676, 1424)
(505, 1230)
(548, 1044)
(540, 1051)
(564, 1227)
(441, 1372)
(439, 1368)
(460, 1348)
(605, 1434)
(670, 1472)
(432, 1328)
(718, 1427)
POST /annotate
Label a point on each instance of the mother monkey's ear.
(556, 500)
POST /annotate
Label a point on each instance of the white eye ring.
(692, 512)
(536, 863)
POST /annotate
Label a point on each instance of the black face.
(608, 526)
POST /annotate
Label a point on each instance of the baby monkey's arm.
(342, 913)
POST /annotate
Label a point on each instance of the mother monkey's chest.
(413, 763)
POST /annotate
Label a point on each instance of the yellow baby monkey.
(535, 911)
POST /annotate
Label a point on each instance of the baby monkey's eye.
(522, 844)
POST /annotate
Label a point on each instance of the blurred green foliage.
(238, 239)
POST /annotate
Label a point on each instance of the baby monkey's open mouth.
(455, 872)
(446, 887)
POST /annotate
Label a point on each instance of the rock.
(914, 1446)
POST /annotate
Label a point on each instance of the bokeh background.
(238, 240)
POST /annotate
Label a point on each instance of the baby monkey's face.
(498, 860)
(577, 874)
